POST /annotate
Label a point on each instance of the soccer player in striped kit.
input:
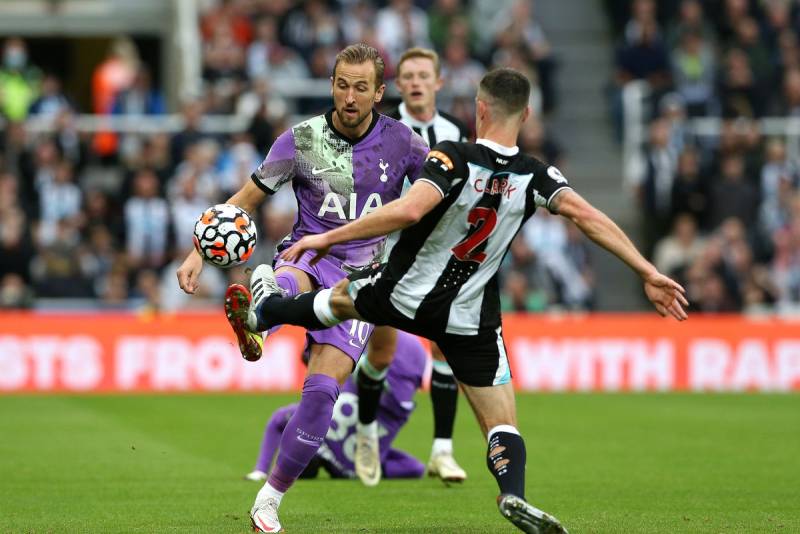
(440, 280)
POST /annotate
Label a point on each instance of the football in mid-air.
(225, 235)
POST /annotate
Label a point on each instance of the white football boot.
(368, 454)
(256, 476)
(264, 515)
(444, 466)
(527, 517)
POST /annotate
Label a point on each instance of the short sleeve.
(278, 167)
(418, 151)
(444, 167)
(547, 183)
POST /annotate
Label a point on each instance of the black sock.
(506, 461)
(369, 396)
(444, 397)
(297, 310)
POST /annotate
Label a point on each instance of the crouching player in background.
(336, 454)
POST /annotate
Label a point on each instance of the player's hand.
(189, 272)
(318, 242)
(667, 295)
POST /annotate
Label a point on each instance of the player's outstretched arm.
(666, 294)
(249, 197)
(396, 215)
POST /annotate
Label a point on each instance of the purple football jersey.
(337, 180)
(396, 404)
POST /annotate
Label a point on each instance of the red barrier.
(114, 352)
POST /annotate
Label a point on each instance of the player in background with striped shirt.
(440, 281)
(418, 80)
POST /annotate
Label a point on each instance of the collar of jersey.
(409, 119)
(500, 149)
(343, 137)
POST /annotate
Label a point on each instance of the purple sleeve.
(419, 150)
(278, 167)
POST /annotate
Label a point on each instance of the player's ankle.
(442, 446)
(367, 429)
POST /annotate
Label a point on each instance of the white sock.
(322, 308)
(267, 492)
(370, 429)
(442, 446)
(371, 371)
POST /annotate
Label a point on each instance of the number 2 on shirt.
(483, 221)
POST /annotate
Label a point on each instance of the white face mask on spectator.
(15, 58)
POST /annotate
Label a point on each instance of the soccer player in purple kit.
(342, 165)
(336, 454)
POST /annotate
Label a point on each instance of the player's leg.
(480, 364)
(444, 399)
(240, 304)
(400, 464)
(270, 442)
(370, 379)
(327, 368)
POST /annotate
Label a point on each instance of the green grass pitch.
(601, 463)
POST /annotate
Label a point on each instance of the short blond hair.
(425, 53)
(356, 54)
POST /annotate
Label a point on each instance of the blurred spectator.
(785, 268)
(460, 73)
(310, 25)
(114, 74)
(57, 270)
(400, 26)
(16, 244)
(733, 194)
(440, 18)
(14, 293)
(227, 14)
(643, 57)
(690, 188)
(141, 98)
(356, 20)
(679, 249)
(739, 92)
(694, 71)
(534, 140)
(60, 203)
(778, 185)
(691, 20)
(51, 101)
(146, 223)
(791, 93)
(192, 112)
(19, 81)
(655, 190)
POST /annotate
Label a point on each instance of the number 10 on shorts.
(359, 331)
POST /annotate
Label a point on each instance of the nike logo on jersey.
(315, 171)
(350, 341)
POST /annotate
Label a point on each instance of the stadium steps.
(579, 33)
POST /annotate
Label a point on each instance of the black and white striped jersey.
(443, 270)
(443, 126)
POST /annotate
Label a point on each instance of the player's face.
(354, 93)
(418, 83)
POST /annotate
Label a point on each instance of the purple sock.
(288, 283)
(305, 430)
(272, 436)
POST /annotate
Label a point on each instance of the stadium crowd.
(106, 216)
(721, 213)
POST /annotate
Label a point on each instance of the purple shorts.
(350, 336)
